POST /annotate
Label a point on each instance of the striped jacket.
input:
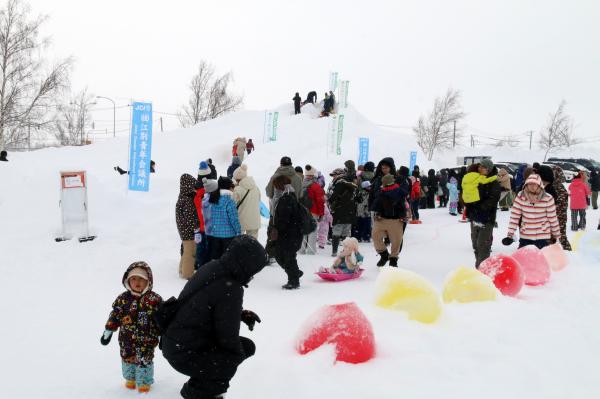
(221, 220)
(535, 221)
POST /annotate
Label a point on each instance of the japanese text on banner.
(140, 146)
(363, 150)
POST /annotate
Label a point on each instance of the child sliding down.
(133, 313)
(348, 260)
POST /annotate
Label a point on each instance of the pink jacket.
(579, 192)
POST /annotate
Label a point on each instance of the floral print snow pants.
(141, 374)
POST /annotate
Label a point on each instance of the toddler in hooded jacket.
(132, 314)
(470, 191)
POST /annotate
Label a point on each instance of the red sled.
(340, 276)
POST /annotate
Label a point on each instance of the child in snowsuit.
(323, 227)
(452, 196)
(415, 197)
(348, 260)
(132, 314)
(579, 192)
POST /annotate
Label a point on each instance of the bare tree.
(72, 119)
(27, 85)
(558, 132)
(436, 130)
(210, 97)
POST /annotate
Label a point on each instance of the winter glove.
(249, 318)
(197, 236)
(507, 241)
(106, 336)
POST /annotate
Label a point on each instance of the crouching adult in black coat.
(203, 340)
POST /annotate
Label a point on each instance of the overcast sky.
(513, 60)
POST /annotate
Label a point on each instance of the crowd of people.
(218, 219)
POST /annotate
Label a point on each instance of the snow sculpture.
(403, 290)
(534, 264)
(505, 272)
(344, 326)
(466, 284)
(556, 257)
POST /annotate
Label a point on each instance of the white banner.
(333, 81)
(343, 94)
(331, 135)
(270, 126)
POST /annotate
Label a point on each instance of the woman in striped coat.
(534, 214)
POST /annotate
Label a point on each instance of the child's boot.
(130, 384)
(144, 388)
(393, 261)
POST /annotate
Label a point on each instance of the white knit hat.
(138, 272)
(240, 173)
(210, 185)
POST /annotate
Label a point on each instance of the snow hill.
(56, 296)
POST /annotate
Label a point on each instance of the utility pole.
(114, 114)
(29, 136)
(161, 125)
(454, 136)
(530, 139)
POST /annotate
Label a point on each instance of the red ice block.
(535, 265)
(505, 272)
(346, 327)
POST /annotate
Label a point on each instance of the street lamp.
(114, 114)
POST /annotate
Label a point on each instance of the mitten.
(106, 336)
(249, 318)
(197, 236)
(507, 241)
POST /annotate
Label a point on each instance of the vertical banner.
(363, 150)
(270, 126)
(333, 81)
(340, 132)
(140, 145)
(331, 134)
(413, 161)
(274, 126)
(343, 94)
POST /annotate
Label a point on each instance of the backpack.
(307, 221)
(305, 199)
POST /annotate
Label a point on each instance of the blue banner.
(413, 161)
(140, 146)
(363, 150)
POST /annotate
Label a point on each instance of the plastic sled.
(264, 211)
(340, 276)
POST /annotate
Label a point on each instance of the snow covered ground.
(56, 296)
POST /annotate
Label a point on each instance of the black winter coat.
(595, 180)
(287, 221)
(185, 210)
(489, 196)
(342, 202)
(376, 182)
(390, 201)
(208, 318)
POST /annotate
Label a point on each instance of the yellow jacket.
(470, 184)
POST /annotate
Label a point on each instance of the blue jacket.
(221, 219)
(453, 190)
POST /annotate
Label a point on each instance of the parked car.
(510, 168)
(569, 174)
(587, 163)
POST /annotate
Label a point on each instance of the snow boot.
(384, 258)
(293, 282)
(144, 388)
(393, 261)
(130, 384)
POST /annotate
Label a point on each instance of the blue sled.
(264, 211)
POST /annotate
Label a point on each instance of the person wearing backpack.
(286, 232)
(342, 204)
(415, 197)
(313, 199)
(390, 210)
(201, 338)
(247, 198)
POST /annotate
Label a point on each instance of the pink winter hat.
(535, 179)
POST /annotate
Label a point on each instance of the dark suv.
(588, 163)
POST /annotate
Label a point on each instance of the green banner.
(340, 132)
(274, 126)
